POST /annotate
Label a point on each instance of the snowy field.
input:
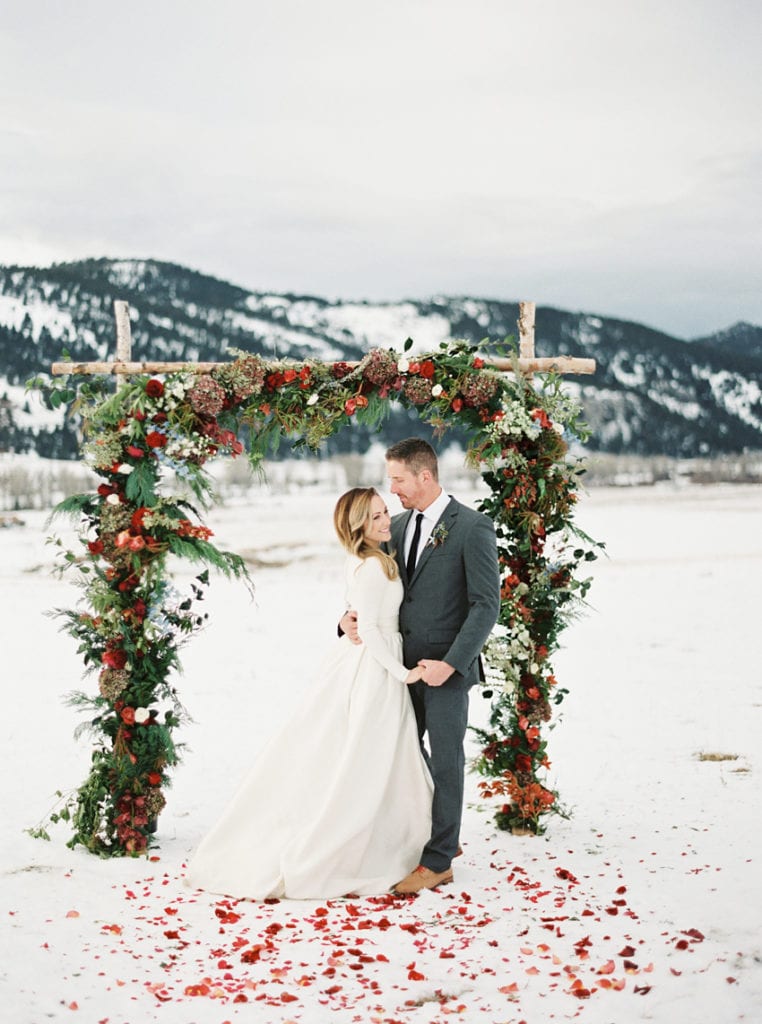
(643, 906)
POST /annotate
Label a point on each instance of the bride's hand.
(348, 626)
(414, 675)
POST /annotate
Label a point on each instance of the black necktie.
(412, 555)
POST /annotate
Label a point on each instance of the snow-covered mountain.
(652, 393)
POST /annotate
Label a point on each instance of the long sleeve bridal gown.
(339, 801)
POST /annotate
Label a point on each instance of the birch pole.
(526, 334)
(123, 334)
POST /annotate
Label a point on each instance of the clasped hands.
(428, 670)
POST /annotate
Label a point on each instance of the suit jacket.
(453, 599)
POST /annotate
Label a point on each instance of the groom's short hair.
(417, 455)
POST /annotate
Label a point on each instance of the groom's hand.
(348, 626)
(435, 672)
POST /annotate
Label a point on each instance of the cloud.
(588, 155)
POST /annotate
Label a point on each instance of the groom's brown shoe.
(421, 878)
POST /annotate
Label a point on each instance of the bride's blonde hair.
(350, 518)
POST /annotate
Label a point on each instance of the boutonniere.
(438, 535)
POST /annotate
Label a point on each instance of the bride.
(339, 801)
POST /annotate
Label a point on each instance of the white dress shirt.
(431, 516)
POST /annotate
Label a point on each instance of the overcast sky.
(601, 156)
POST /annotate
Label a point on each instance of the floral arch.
(130, 623)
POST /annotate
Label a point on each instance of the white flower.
(113, 499)
(558, 427)
(124, 469)
(436, 391)
(312, 400)
(142, 715)
(403, 365)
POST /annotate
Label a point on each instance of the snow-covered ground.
(642, 906)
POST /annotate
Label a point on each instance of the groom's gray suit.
(451, 603)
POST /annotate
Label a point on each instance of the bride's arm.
(368, 589)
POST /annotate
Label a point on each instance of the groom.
(447, 558)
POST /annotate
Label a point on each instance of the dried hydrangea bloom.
(479, 388)
(112, 682)
(206, 396)
(418, 390)
(380, 367)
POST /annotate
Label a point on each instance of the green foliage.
(140, 487)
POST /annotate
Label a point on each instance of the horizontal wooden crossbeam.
(551, 364)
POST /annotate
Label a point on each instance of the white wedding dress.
(339, 801)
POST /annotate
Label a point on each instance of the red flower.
(289, 375)
(128, 716)
(349, 406)
(138, 415)
(105, 489)
(95, 547)
(139, 608)
(136, 522)
(456, 405)
(134, 451)
(427, 369)
(341, 370)
(155, 439)
(542, 418)
(362, 401)
(478, 363)
(114, 659)
(154, 778)
(523, 763)
(154, 388)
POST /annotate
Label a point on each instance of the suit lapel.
(399, 526)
